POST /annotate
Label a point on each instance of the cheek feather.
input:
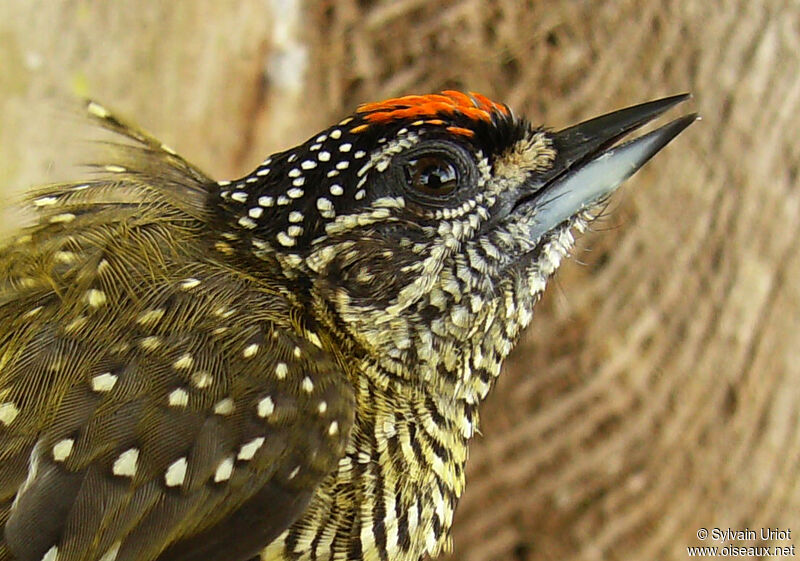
(533, 154)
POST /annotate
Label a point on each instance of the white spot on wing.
(176, 472)
(224, 407)
(178, 398)
(188, 284)
(265, 407)
(63, 449)
(202, 379)
(104, 382)
(224, 470)
(248, 451)
(111, 554)
(97, 110)
(8, 412)
(51, 555)
(184, 362)
(62, 218)
(45, 201)
(126, 463)
(150, 316)
(281, 370)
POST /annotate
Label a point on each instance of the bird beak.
(589, 167)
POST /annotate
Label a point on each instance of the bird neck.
(406, 353)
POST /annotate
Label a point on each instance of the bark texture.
(658, 390)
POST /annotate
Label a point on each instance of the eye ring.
(432, 175)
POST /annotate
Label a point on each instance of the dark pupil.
(433, 175)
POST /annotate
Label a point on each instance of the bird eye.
(432, 175)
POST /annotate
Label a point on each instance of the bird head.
(427, 226)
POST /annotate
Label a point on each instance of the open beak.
(589, 164)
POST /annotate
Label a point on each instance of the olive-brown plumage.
(288, 365)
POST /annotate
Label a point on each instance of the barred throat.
(395, 491)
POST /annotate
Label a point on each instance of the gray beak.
(588, 165)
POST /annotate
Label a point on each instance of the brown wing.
(151, 406)
(206, 439)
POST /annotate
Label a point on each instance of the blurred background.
(658, 389)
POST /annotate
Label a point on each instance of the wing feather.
(153, 400)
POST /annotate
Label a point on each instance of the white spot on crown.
(285, 240)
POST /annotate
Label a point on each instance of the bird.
(289, 365)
